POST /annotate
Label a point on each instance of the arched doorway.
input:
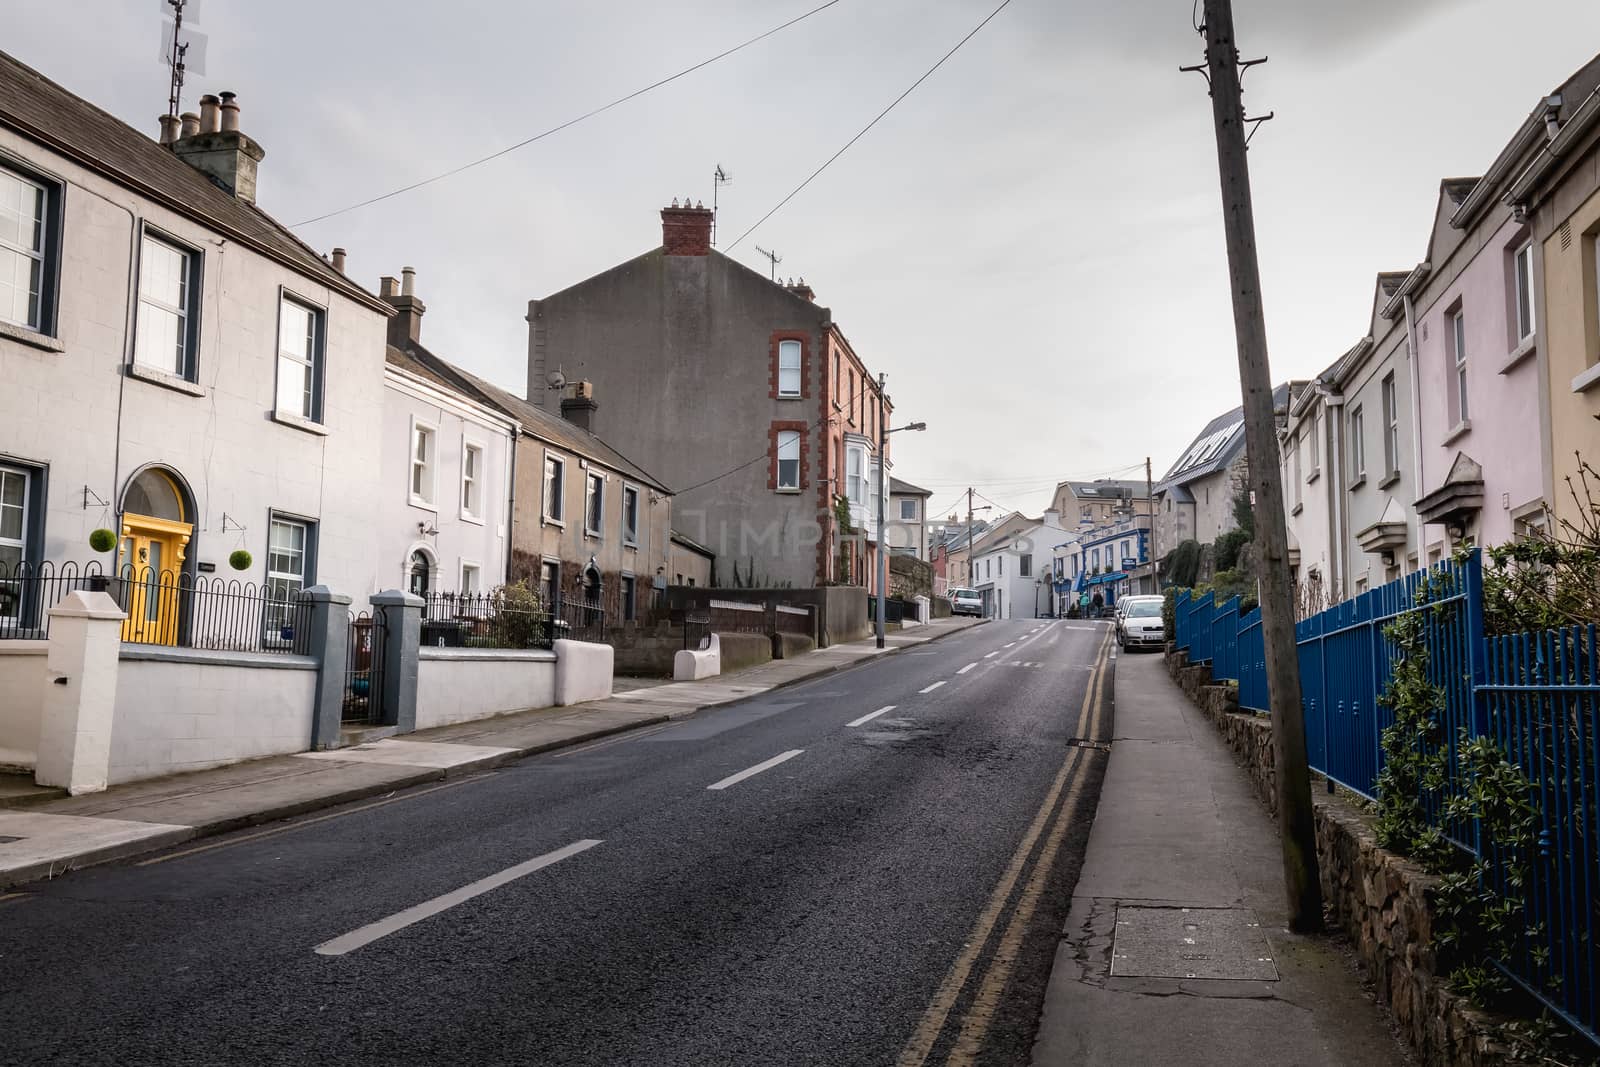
(420, 575)
(591, 595)
(157, 524)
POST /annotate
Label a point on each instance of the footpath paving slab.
(1175, 950)
(200, 803)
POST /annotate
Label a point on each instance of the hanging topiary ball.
(102, 540)
(239, 559)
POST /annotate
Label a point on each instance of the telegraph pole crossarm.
(1296, 819)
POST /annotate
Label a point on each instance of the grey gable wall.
(679, 351)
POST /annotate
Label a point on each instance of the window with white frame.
(1313, 438)
(788, 368)
(424, 463)
(555, 485)
(299, 360)
(471, 481)
(164, 334)
(1358, 445)
(1522, 271)
(13, 530)
(1391, 427)
(594, 504)
(26, 238)
(1458, 382)
(838, 380)
(908, 510)
(471, 578)
(788, 460)
(1294, 459)
(630, 515)
(1025, 565)
(855, 476)
(288, 570)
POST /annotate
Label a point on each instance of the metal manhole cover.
(1191, 943)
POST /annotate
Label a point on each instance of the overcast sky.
(1029, 246)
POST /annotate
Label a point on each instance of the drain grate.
(1222, 943)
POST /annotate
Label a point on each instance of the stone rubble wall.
(1381, 900)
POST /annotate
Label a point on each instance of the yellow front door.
(151, 564)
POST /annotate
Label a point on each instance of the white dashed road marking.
(748, 772)
(932, 687)
(869, 717)
(400, 920)
(967, 668)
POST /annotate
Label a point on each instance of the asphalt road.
(890, 892)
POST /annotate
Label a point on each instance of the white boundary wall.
(462, 684)
(22, 681)
(182, 710)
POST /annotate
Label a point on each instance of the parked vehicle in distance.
(966, 602)
(1141, 625)
(1126, 604)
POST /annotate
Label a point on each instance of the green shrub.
(519, 620)
(240, 560)
(1226, 549)
(102, 540)
(1182, 565)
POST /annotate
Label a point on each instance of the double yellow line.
(986, 1000)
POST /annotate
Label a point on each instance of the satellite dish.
(556, 380)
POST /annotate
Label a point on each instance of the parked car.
(1126, 604)
(1140, 624)
(966, 602)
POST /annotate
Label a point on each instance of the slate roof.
(899, 488)
(50, 115)
(536, 422)
(1216, 445)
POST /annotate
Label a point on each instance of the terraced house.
(179, 369)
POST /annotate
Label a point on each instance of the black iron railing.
(29, 590)
(497, 620)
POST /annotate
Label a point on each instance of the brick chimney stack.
(405, 328)
(214, 146)
(579, 408)
(686, 231)
(802, 290)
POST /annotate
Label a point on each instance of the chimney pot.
(230, 111)
(188, 124)
(405, 327)
(408, 281)
(210, 116)
(169, 128)
(338, 260)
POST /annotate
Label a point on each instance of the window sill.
(165, 380)
(1297, 509)
(630, 544)
(788, 491)
(476, 520)
(421, 504)
(1460, 429)
(1392, 479)
(788, 396)
(31, 337)
(1517, 355)
(298, 422)
(1587, 380)
(555, 522)
(1316, 472)
(1361, 479)
(592, 535)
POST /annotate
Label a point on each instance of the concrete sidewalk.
(1176, 949)
(43, 835)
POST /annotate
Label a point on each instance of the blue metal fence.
(1536, 694)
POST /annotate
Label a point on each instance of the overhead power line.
(863, 132)
(570, 122)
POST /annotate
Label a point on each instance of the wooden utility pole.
(1150, 509)
(1296, 822)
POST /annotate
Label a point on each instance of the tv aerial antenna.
(719, 178)
(182, 50)
(773, 258)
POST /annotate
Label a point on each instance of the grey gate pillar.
(328, 628)
(402, 613)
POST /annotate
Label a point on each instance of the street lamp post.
(883, 548)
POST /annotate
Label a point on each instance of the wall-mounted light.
(1388, 557)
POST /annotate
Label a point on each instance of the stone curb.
(155, 843)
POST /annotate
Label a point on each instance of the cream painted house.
(179, 368)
